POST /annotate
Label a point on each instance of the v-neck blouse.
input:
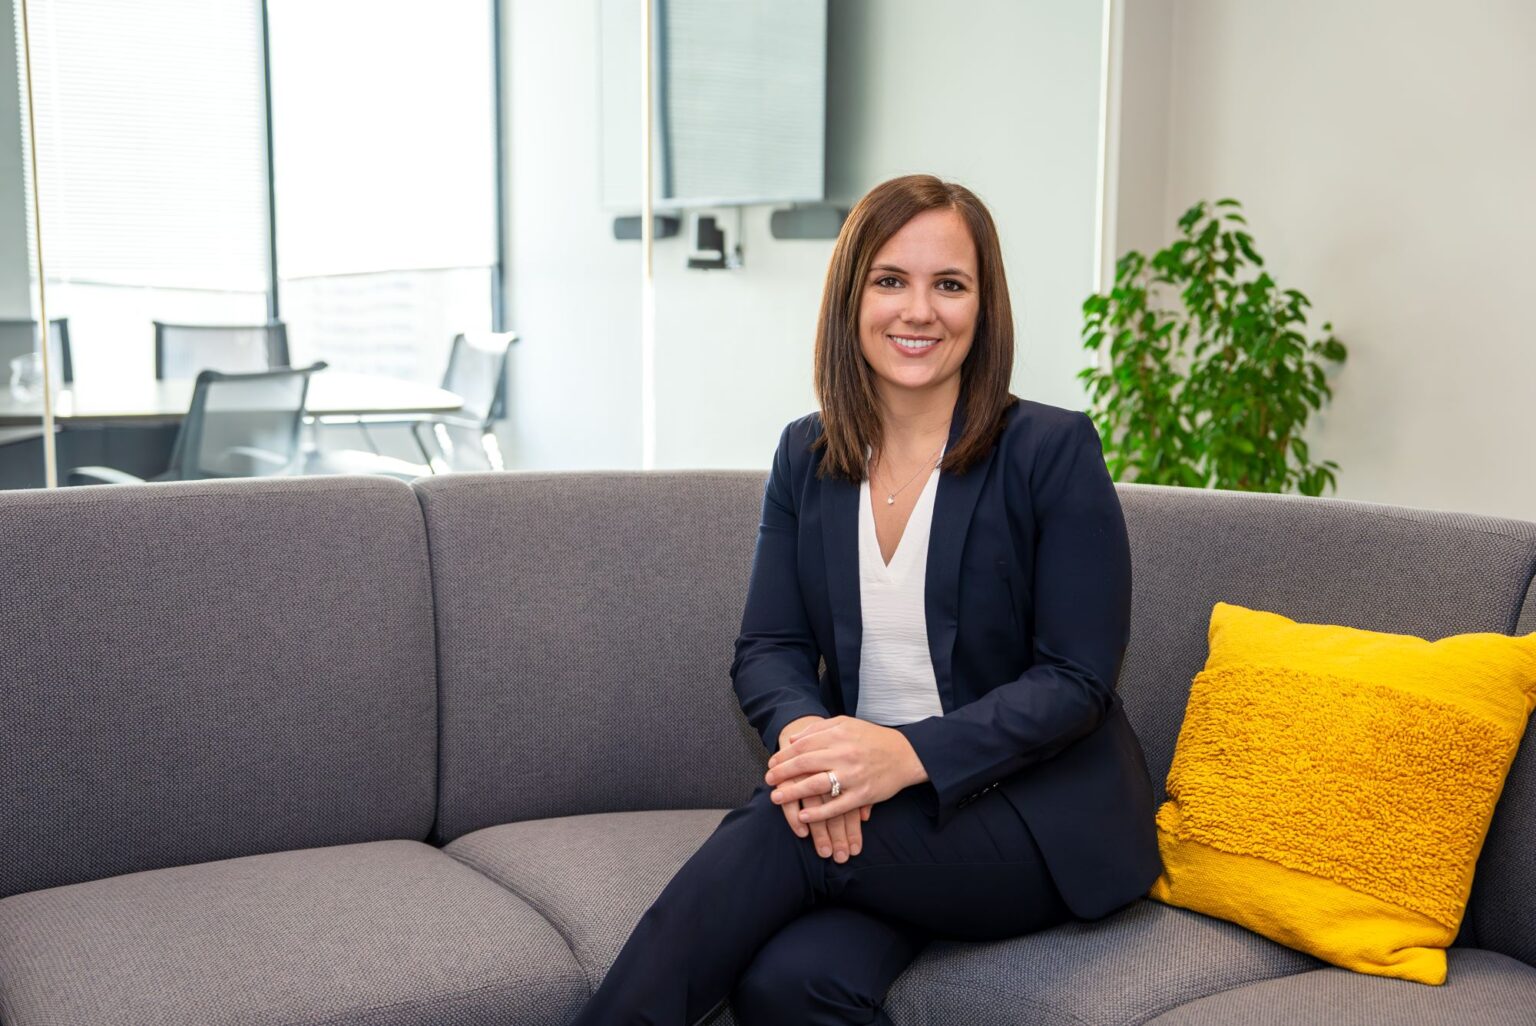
(896, 680)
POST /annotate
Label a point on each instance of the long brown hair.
(845, 383)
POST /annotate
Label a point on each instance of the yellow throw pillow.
(1332, 787)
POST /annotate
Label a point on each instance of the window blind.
(152, 142)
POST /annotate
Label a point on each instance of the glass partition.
(382, 181)
(1012, 113)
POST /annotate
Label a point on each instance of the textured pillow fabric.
(1332, 787)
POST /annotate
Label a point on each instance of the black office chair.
(18, 338)
(183, 350)
(238, 425)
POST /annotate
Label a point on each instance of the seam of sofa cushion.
(531, 903)
(972, 986)
(437, 669)
(1257, 981)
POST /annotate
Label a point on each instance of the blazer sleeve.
(1082, 601)
(774, 670)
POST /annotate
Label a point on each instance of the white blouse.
(896, 681)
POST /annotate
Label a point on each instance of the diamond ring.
(837, 788)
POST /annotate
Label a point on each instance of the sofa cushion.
(591, 876)
(580, 617)
(1137, 963)
(594, 876)
(1483, 987)
(206, 670)
(384, 933)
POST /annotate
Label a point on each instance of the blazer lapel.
(953, 506)
(840, 542)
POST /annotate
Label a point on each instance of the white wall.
(1008, 105)
(15, 265)
(1385, 154)
(574, 293)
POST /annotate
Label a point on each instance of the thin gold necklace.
(890, 498)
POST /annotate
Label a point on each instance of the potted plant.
(1213, 390)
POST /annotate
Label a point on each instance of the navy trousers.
(756, 916)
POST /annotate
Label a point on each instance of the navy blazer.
(1028, 600)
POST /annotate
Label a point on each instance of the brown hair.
(845, 383)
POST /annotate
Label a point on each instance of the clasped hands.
(871, 762)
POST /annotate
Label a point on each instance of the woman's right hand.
(839, 838)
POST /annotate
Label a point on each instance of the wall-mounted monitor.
(738, 103)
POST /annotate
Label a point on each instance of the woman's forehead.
(933, 240)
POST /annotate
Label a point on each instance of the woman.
(958, 559)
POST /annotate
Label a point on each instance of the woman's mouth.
(913, 345)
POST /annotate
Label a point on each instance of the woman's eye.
(944, 286)
(887, 282)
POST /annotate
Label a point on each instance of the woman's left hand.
(871, 762)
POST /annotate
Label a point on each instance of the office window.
(152, 160)
(384, 159)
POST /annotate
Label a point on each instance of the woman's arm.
(1082, 601)
(774, 671)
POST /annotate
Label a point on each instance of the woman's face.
(919, 303)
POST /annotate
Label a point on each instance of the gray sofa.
(347, 750)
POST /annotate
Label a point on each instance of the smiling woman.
(971, 629)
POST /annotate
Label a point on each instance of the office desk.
(331, 393)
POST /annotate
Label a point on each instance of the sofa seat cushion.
(1125, 968)
(593, 877)
(385, 932)
(1481, 987)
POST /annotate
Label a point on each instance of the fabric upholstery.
(593, 876)
(1375, 567)
(390, 933)
(557, 593)
(196, 671)
(1503, 905)
(1116, 971)
(1484, 988)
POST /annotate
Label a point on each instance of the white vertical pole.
(647, 242)
(50, 453)
(1106, 211)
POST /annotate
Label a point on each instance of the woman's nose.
(918, 309)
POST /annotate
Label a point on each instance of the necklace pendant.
(890, 500)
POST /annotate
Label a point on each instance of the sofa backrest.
(207, 670)
(1328, 561)
(558, 593)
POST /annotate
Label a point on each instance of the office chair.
(463, 440)
(238, 425)
(18, 338)
(182, 350)
(477, 370)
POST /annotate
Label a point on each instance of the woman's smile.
(914, 345)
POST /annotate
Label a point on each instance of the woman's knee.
(788, 984)
(761, 818)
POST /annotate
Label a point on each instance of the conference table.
(332, 393)
(131, 423)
